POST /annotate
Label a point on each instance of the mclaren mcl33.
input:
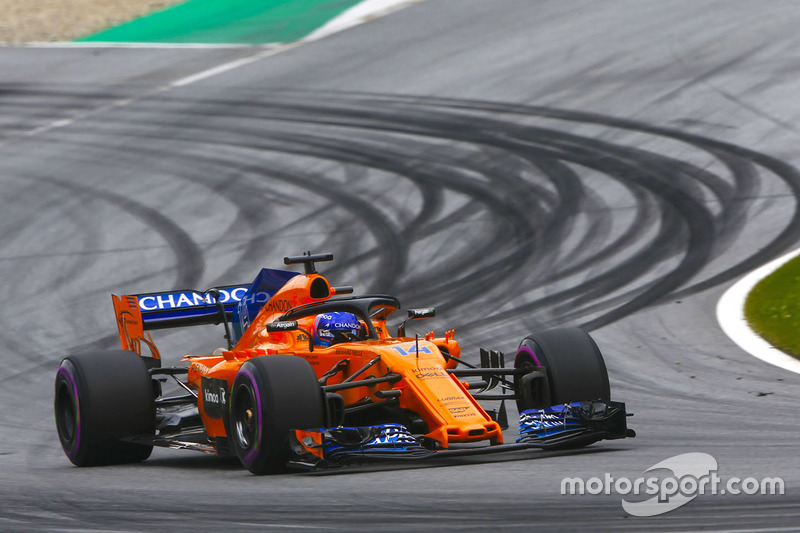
(313, 377)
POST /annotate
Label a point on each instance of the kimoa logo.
(213, 397)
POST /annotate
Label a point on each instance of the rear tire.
(575, 368)
(272, 395)
(101, 397)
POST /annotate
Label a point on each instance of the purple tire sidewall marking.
(253, 454)
(525, 349)
(62, 371)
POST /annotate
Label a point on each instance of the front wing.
(564, 426)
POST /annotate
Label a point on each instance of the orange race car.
(312, 378)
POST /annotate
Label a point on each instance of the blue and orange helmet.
(338, 326)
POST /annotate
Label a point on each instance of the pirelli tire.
(101, 397)
(574, 367)
(271, 396)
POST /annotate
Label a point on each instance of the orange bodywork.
(451, 414)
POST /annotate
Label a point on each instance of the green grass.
(773, 308)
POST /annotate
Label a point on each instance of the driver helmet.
(327, 325)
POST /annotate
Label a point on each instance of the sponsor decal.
(455, 410)
(214, 393)
(199, 368)
(432, 374)
(393, 434)
(342, 325)
(278, 305)
(177, 300)
(451, 400)
(285, 325)
(348, 351)
(541, 420)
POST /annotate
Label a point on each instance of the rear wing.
(138, 313)
(188, 308)
(230, 304)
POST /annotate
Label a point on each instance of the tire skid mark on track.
(456, 178)
(189, 258)
(252, 198)
(62, 211)
(612, 120)
(516, 172)
(787, 173)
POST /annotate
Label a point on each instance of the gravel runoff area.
(24, 21)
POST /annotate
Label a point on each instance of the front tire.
(272, 395)
(101, 397)
(574, 365)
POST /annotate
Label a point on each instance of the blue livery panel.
(241, 303)
(266, 284)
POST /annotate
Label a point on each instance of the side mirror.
(281, 326)
(413, 314)
(344, 289)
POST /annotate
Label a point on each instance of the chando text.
(175, 300)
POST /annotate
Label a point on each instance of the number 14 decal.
(411, 349)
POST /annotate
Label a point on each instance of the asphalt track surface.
(518, 164)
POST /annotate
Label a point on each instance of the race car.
(312, 377)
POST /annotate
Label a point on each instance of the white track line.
(730, 315)
(225, 67)
(359, 14)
